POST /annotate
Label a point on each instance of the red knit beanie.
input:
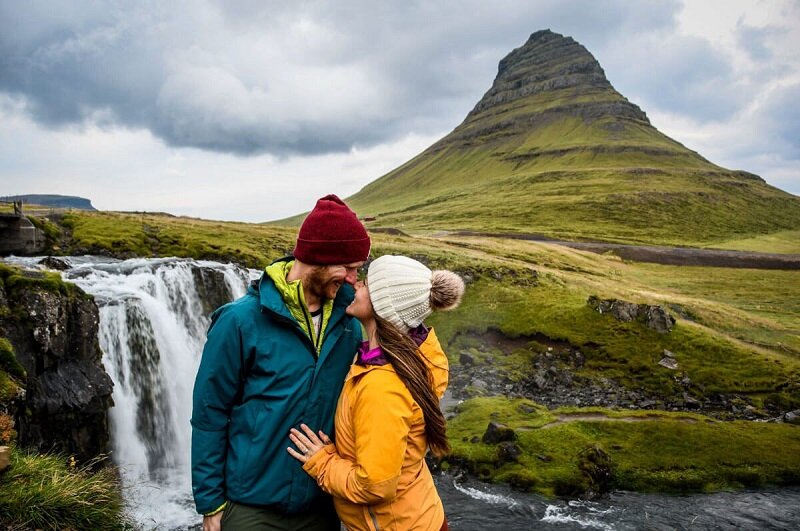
(331, 234)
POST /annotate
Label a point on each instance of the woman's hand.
(308, 443)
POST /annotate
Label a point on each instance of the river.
(152, 328)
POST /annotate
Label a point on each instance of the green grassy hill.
(553, 149)
(525, 316)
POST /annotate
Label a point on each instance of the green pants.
(240, 517)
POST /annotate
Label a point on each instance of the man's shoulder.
(239, 308)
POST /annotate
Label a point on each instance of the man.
(273, 359)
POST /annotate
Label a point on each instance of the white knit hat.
(400, 289)
(405, 292)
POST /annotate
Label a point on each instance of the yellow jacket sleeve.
(382, 413)
(437, 363)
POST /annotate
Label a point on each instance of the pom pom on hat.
(404, 291)
(331, 234)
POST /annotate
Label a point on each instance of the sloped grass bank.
(665, 452)
(49, 492)
(627, 352)
(125, 235)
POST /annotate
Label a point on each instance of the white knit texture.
(400, 289)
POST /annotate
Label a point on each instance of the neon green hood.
(292, 295)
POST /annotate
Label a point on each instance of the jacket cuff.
(311, 465)
(218, 509)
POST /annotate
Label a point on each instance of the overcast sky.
(250, 110)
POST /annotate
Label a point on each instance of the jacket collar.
(271, 299)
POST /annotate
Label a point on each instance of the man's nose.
(352, 276)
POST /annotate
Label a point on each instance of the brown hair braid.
(403, 354)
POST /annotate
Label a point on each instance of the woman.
(388, 413)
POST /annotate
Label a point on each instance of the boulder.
(792, 417)
(508, 452)
(654, 317)
(497, 432)
(59, 264)
(598, 468)
(465, 358)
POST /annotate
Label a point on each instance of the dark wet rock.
(465, 358)
(211, 287)
(544, 458)
(598, 468)
(497, 432)
(68, 392)
(654, 317)
(52, 262)
(508, 452)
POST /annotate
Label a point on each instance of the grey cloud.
(250, 77)
(678, 74)
(754, 41)
(782, 115)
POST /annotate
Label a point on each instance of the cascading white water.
(152, 331)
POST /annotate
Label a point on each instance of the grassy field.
(737, 335)
(142, 234)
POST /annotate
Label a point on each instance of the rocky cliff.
(52, 328)
(565, 80)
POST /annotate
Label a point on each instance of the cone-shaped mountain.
(552, 148)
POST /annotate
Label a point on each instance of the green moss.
(693, 454)
(8, 361)
(15, 279)
(51, 230)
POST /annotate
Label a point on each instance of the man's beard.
(321, 285)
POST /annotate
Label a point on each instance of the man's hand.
(213, 522)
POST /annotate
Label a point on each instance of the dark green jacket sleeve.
(215, 390)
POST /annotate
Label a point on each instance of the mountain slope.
(553, 148)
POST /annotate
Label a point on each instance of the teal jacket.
(259, 376)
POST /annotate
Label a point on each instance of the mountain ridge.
(553, 148)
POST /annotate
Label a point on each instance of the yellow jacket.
(376, 472)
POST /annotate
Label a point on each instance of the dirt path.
(665, 255)
(599, 417)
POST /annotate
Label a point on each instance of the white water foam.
(554, 514)
(488, 497)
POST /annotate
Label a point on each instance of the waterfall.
(153, 321)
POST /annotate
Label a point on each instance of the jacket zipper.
(310, 325)
(374, 518)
